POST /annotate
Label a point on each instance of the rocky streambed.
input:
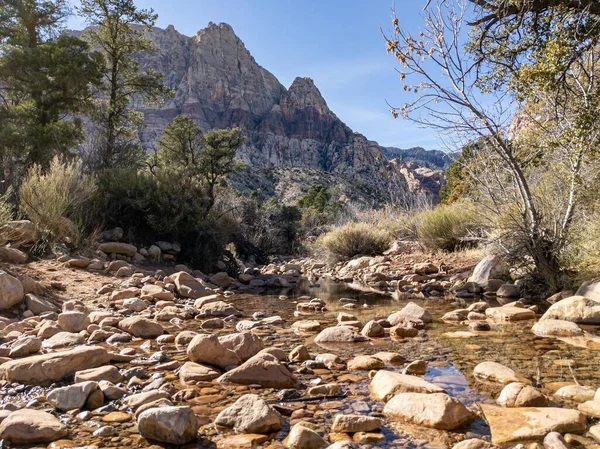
(172, 360)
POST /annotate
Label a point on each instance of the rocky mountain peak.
(304, 94)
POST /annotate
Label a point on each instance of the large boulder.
(172, 425)
(53, 367)
(436, 410)
(490, 267)
(188, 286)
(250, 414)
(11, 291)
(340, 334)
(511, 425)
(12, 255)
(20, 231)
(386, 384)
(141, 327)
(518, 394)
(590, 290)
(558, 328)
(411, 312)
(578, 309)
(29, 426)
(263, 369)
(244, 344)
(118, 248)
(207, 349)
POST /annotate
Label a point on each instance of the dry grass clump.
(353, 239)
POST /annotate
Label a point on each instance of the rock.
(262, 369)
(555, 440)
(509, 313)
(511, 425)
(418, 367)
(63, 339)
(595, 432)
(73, 321)
(72, 396)
(576, 393)
(53, 367)
(560, 296)
(591, 408)
(118, 248)
(11, 291)
(436, 410)
(29, 426)
(355, 423)
(474, 443)
(250, 414)
(217, 308)
(206, 348)
(12, 255)
(560, 328)
(386, 384)
(172, 425)
(38, 305)
(340, 334)
(141, 327)
(590, 290)
(373, 330)
(299, 354)
(508, 291)
(191, 371)
(307, 325)
(490, 267)
(365, 363)
(111, 391)
(24, 346)
(425, 268)
(244, 344)
(188, 286)
(19, 231)
(410, 312)
(518, 394)
(221, 279)
(301, 437)
(496, 372)
(392, 358)
(324, 390)
(578, 309)
(135, 401)
(109, 373)
(401, 332)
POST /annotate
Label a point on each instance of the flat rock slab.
(509, 313)
(495, 372)
(510, 425)
(559, 328)
(387, 384)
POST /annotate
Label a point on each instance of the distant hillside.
(433, 159)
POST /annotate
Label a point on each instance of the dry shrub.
(355, 239)
(449, 228)
(55, 200)
(6, 207)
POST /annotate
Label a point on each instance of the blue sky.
(337, 43)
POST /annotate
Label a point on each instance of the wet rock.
(72, 396)
(386, 384)
(217, 308)
(400, 332)
(244, 344)
(410, 312)
(578, 309)
(511, 425)
(508, 291)
(250, 414)
(301, 437)
(392, 358)
(109, 373)
(518, 394)
(355, 423)
(299, 354)
(436, 410)
(509, 313)
(173, 425)
(141, 327)
(208, 349)
(307, 325)
(560, 328)
(191, 371)
(418, 367)
(11, 291)
(29, 426)
(340, 334)
(53, 367)
(262, 369)
(490, 267)
(135, 401)
(496, 372)
(474, 443)
(324, 390)
(373, 330)
(365, 363)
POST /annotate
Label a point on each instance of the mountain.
(433, 159)
(220, 85)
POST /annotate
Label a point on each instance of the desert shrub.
(355, 239)
(448, 228)
(57, 200)
(6, 206)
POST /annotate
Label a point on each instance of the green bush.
(57, 200)
(355, 239)
(448, 228)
